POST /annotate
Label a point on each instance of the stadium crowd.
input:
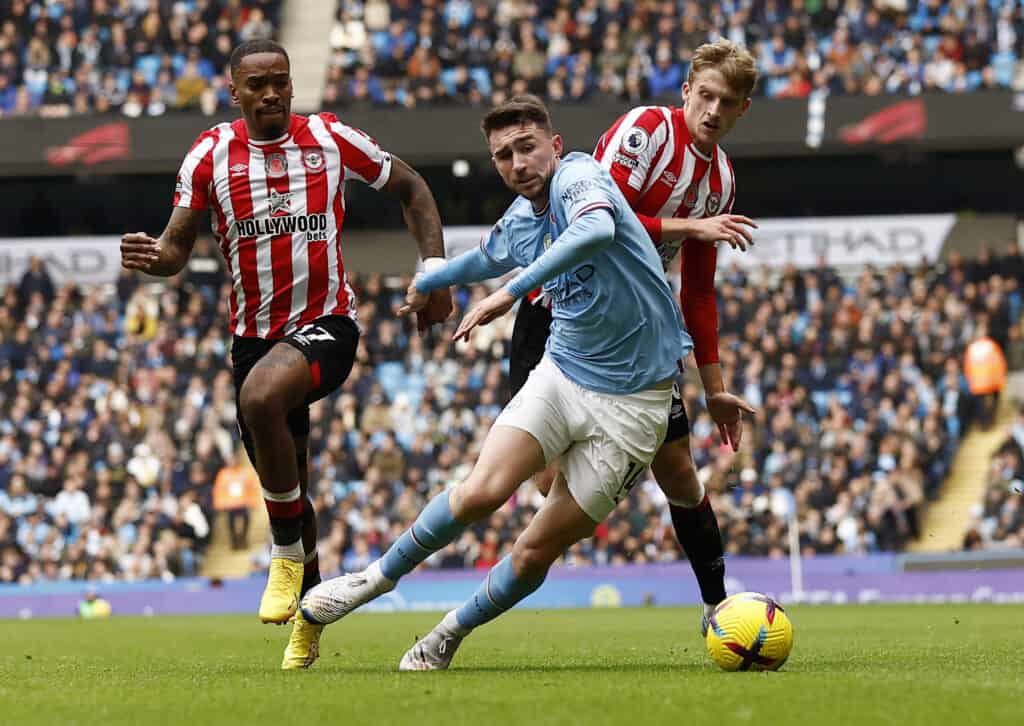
(136, 57)
(997, 522)
(423, 52)
(149, 57)
(117, 413)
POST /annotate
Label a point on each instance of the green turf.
(951, 664)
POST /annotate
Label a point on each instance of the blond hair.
(733, 61)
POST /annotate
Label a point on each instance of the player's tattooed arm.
(418, 208)
(167, 255)
(424, 223)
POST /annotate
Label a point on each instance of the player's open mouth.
(709, 127)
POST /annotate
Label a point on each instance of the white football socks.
(293, 551)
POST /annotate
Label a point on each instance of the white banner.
(68, 259)
(459, 239)
(844, 241)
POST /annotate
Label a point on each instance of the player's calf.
(693, 518)
(311, 563)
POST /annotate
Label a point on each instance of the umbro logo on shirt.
(239, 169)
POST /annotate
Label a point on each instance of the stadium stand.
(148, 57)
(115, 427)
(997, 522)
(135, 57)
(417, 53)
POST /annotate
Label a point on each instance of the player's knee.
(478, 496)
(676, 474)
(530, 562)
(260, 406)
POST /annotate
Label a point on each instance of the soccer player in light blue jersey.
(598, 401)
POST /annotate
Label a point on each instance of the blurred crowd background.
(118, 440)
(416, 53)
(151, 57)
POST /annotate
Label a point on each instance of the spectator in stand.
(58, 56)
(113, 430)
(235, 492)
(642, 52)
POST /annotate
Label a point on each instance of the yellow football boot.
(281, 598)
(303, 646)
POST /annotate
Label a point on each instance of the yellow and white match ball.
(749, 632)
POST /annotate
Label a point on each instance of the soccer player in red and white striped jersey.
(669, 166)
(275, 183)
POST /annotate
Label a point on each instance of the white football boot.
(332, 600)
(435, 650)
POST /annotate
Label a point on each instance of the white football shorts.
(605, 442)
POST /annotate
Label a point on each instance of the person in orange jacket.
(985, 369)
(236, 490)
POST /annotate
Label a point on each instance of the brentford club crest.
(690, 197)
(276, 165)
(713, 203)
(313, 161)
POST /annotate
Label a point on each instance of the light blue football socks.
(499, 591)
(434, 529)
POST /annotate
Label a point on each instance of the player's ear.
(685, 92)
(744, 106)
(234, 91)
(557, 144)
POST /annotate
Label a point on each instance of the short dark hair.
(260, 45)
(517, 111)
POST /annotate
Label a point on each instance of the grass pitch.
(949, 664)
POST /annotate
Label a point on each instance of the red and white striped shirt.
(278, 209)
(650, 154)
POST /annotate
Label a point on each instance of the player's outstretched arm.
(587, 235)
(424, 222)
(472, 266)
(732, 228)
(167, 255)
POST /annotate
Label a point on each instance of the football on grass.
(749, 632)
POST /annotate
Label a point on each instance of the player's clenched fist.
(732, 228)
(139, 251)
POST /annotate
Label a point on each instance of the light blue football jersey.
(616, 327)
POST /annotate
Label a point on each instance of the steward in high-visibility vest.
(985, 366)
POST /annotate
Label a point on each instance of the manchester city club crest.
(713, 204)
(313, 160)
(276, 165)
